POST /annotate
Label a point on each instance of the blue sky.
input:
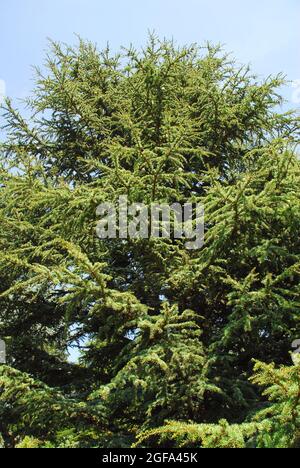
(264, 33)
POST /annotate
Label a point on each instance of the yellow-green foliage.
(276, 426)
(165, 333)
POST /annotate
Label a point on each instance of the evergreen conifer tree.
(176, 344)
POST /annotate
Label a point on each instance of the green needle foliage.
(178, 347)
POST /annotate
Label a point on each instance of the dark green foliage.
(168, 335)
(29, 408)
(276, 426)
